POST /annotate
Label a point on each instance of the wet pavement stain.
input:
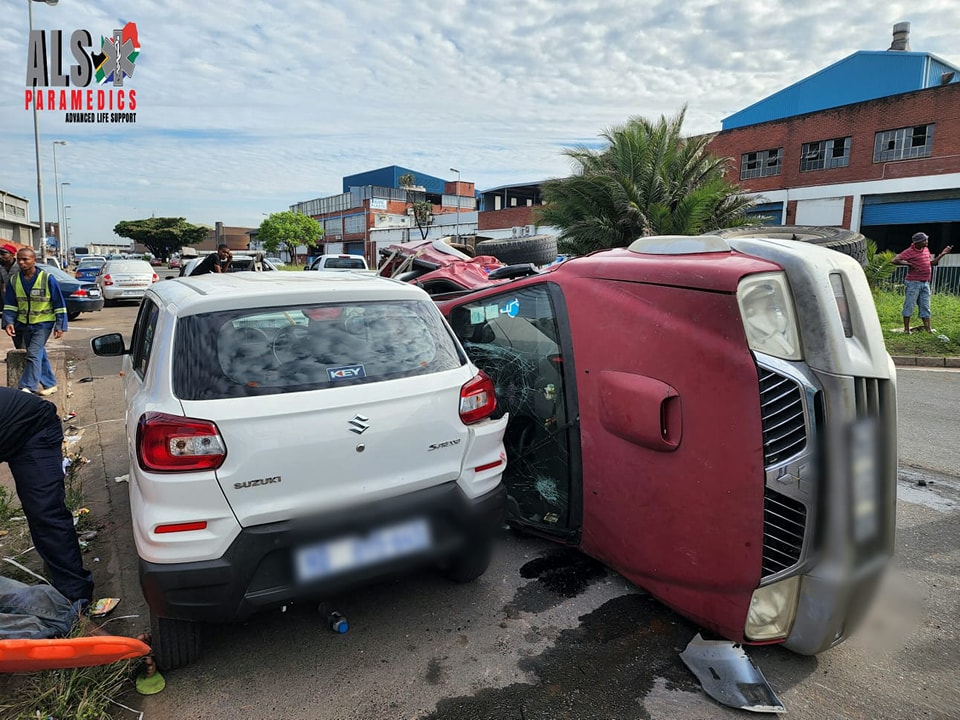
(560, 574)
(601, 669)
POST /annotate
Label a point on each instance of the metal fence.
(945, 279)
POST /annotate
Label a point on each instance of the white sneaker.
(48, 391)
(26, 390)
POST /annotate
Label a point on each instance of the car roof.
(214, 292)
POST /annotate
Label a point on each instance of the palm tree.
(648, 180)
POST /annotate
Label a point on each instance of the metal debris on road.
(728, 675)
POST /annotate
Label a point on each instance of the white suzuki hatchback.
(296, 436)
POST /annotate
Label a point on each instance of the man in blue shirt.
(33, 307)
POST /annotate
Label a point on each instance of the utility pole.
(458, 201)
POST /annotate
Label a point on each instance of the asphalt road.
(545, 633)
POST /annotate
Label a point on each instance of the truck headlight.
(769, 319)
(772, 610)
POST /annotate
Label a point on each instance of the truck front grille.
(784, 422)
(784, 520)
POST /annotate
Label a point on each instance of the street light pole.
(56, 179)
(65, 240)
(36, 143)
(458, 201)
(66, 223)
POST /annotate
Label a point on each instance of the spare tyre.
(849, 242)
(536, 249)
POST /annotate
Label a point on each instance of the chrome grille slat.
(784, 521)
(783, 416)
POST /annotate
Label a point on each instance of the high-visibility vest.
(37, 306)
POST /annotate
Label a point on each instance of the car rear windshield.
(130, 266)
(344, 263)
(273, 350)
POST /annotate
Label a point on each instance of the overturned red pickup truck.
(714, 418)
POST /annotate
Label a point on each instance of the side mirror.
(110, 345)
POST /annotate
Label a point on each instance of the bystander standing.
(917, 259)
(33, 307)
(8, 264)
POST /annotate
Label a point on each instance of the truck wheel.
(469, 563)
(176, 643)
(536, 249)
(849, 242)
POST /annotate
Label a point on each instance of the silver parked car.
(125, 279)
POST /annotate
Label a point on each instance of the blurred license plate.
(93, 293)
(349, 553)
(864, 476)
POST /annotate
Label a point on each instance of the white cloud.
(250, 106)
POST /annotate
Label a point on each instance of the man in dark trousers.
(31, 439)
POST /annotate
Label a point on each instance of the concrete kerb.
(921, 361)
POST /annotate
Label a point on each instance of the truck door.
(520, 338)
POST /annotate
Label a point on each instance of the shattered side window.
(513, 337)
(307, 347)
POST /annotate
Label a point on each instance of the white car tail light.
(155, 277)
(107, 280)
(478, 399)
(168, 443)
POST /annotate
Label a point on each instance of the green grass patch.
(945, 310)
(82, 693)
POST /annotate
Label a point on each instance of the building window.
(825, 154)
(761, 163)
(903, 143)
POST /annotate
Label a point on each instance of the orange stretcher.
(56, 653)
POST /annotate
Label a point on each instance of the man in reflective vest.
(33, 307)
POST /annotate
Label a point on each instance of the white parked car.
(125, 279)
(295, 435)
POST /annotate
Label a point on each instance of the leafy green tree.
(422, 209)
(648, 180)
(289, 229)
(161, 235)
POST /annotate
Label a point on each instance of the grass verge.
(84, 693)
(945, 342)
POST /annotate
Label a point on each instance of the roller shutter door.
(908, 213)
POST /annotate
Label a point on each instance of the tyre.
(470, 562)
(536, 249)
(849, 242)
(176, 643)
(72, 316)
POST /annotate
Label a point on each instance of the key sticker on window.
(346, 372)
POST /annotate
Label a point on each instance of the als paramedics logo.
(53, 87)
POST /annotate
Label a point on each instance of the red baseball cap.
(10, 248)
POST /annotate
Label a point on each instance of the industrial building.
(869, 143)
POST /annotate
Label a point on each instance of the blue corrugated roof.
(864, 75)
(389, 176)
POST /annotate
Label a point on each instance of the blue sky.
(246, 107)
